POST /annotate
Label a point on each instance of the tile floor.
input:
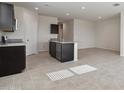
(109, 73)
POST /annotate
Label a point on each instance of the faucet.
(4, 39)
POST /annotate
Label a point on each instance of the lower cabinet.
(52, 49)
(63, 52)
(59, 51)
(67, 52)
(12, 60)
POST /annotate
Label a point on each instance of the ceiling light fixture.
(83, 7)
(116, 4)
(36, 8)
(46, 5)
(67, 14)
(99, 17)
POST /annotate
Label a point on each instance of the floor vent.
(62, 74)
(82, 69)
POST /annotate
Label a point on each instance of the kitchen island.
(63, 51)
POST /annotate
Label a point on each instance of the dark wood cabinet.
(7, 18)
(58, 51)
(54, 28)
(12, 60)
(67, 52)
(52, 49)
(62, 51)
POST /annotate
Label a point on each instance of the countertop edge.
(12, 44)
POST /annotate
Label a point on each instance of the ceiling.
(59, 9)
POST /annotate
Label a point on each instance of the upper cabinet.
(7, 18)
(54, 28)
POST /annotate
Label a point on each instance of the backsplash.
(0, 35)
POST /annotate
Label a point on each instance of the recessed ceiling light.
(67, 14)
(36, 8)
(46, 5)
(116, 4)
(99, 17)
(83, 7)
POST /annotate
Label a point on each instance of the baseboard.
(108, 49)
(87, 48)
(100, 48)
(43, 51)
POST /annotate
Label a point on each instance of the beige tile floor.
(109, 73)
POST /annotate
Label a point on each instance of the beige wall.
(44, 34)
(108, 34)
(84, 33)
(122, 33)
(68, 30)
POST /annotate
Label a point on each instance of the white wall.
(84, 33)
(30, 26)
(108, 34)
(44, 34)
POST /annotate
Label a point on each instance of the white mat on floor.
(62, 74)
(82, 69)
